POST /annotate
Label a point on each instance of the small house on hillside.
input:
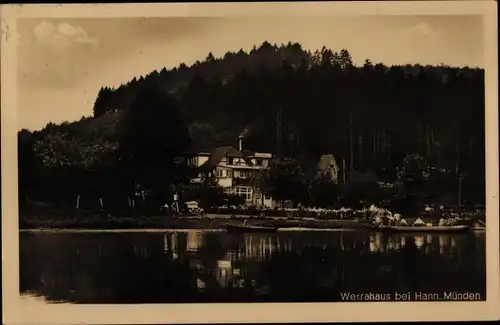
(328, 164)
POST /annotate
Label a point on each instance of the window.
(258, 162)
(219, 173)
(243, 174)
(230, 161)
(246, 192)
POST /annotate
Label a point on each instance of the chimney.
(240, 142)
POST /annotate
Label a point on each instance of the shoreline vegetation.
(209, 221)
(201, 223)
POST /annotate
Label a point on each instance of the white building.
(328, 164)
(234, 171)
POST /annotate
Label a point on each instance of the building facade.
(235, 171)
(327, 164)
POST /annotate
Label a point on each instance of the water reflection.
(220, 267)
(439, 243)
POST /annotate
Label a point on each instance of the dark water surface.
(291, 266)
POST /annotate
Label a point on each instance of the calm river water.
(288, 266)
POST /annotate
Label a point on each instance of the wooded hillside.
(285, 100)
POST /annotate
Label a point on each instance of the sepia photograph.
(232, 158)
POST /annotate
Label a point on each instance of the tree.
(360, 191)
(63, 150)
(284, 180)
(412, 175)
(151, 134)
(103, 101)
(345, 59)
(258, 181)
(209, 193)
(210, 57)
(203, 134)
(27, 169)
(323, 191)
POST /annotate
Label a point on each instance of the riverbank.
(103, 221)
(162, 222)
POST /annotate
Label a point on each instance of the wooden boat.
(478, 226)
(424, 228)
(248, 228)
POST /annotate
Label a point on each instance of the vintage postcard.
(244, 162)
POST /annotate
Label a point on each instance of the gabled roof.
(326, 162)
(222, 152)
(247, 153)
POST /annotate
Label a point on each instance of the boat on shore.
(249, 228)
(459, 228)
(478, 226)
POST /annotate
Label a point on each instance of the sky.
(62, 63)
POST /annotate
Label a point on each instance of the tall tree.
(151, 134)
(284, 180)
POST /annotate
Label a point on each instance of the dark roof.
(221, 152)
(247, 153)
(324, 162)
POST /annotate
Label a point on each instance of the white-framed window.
(244, 191)
(221, 173)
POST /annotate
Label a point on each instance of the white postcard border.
(20, 310)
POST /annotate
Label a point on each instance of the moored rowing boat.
(247, 228)
(424, 228)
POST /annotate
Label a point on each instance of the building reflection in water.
(239, 258)
(194, 241)
(224, 272)
(256, 247)
(419, 241)
(170, 244)
(380, 242)
(200, 285)
(375, 242)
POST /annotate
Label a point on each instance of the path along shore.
(209, 221)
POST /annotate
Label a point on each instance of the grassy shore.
(125, 220)
(162, 222)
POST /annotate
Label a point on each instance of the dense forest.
(286, 100)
